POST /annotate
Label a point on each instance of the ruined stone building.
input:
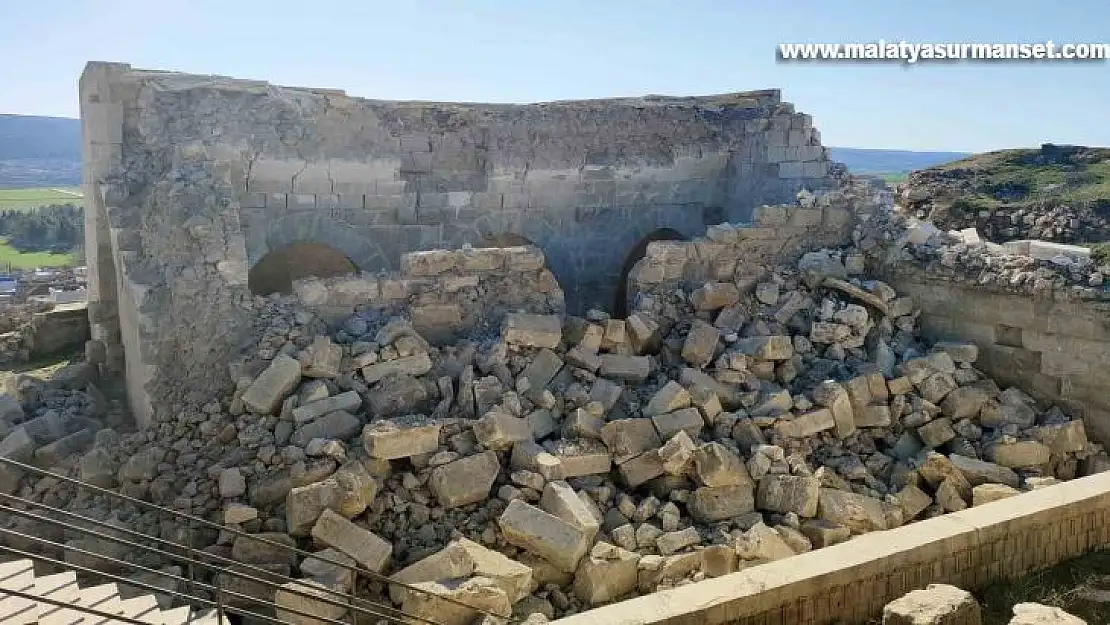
(203, 190)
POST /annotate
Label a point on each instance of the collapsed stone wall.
(193, 180)
(445, 293)
(37, 330)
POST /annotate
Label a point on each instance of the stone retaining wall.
(852, 581)
(445, 292)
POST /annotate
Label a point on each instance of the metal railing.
(360, 610)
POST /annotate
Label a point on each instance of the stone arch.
(276, 271)
(638, 251)
(362, 250)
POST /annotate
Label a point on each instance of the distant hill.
(867, 161)
(39, 151)
(29, 136)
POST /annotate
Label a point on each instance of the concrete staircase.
(19, 575)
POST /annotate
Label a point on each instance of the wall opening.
(277, 270)
(620, 306)
(505, 239)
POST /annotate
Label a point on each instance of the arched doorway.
(620, 306)
(277, 270)
(504, 239)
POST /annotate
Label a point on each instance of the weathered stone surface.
(700, 344)
(266, 393)
(670, 398)
(465, 481)
(627, 368)
(858, 512)
(390, 439)
(415, 365)
(349, 402)
(980, 472)
(761, 544)
(606, 574)
(477, 592)
(366, 547)
(717, 503)
(546, 535)
(788, 493)
(500, 430)
(628, 438)
(532, 330)
(687, 420)
(986, 493)
(766, 347)
(715, 465)
(937, 604)
(559, 499)
(1019, 454)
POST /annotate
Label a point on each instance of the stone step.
(18, 575)
(61, 587)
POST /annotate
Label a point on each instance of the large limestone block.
(938, 604)
(404, 437)
(715, 465)
(626, 368)
(788, 493)
(607, 574)
(273, 385)
(701, 342)
(761, 544)
(981, 472)
(366, 547)
(857, 512)
(628, 438)
(1019, 454)
(709, 504)
(465, 481)
(545, 535)
(560, 500)
(668, 399)
(349, 401)
(324, 358)
(532, 330)
(513, 577)
(500, 430)
(477, 592)
(416, 365)
(285, 600)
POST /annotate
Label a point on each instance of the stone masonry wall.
(1052, 343)
(192, 180)
(743, 254)
(445, 293)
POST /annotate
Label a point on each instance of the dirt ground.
(1080, 586)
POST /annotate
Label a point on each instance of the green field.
(22, 199)
(9, 256)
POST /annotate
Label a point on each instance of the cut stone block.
(857, 512)
(701, 343)
(628, 438)
(349, 401)
(606, 574)
(560, 500)
(532, 330)
(625, 368)
(465, 481)
(545, 535)
(715, 465)
(403, 437)
(273, 385)
(477, 592)
(687, 420)
(788, 493)
(415, 365)
(670, 398)
(499, 430)
(709, 504)
(366, 547)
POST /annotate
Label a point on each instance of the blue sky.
(522, 51)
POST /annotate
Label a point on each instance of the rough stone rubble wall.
(191, 180)
(445, 293)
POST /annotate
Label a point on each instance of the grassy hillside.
(1055, 192)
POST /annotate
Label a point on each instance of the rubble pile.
(895, 239)
(570, 462)
(16, 331)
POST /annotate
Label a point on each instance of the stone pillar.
(102, 147)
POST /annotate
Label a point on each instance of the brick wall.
(445, 293)
(852, 581)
